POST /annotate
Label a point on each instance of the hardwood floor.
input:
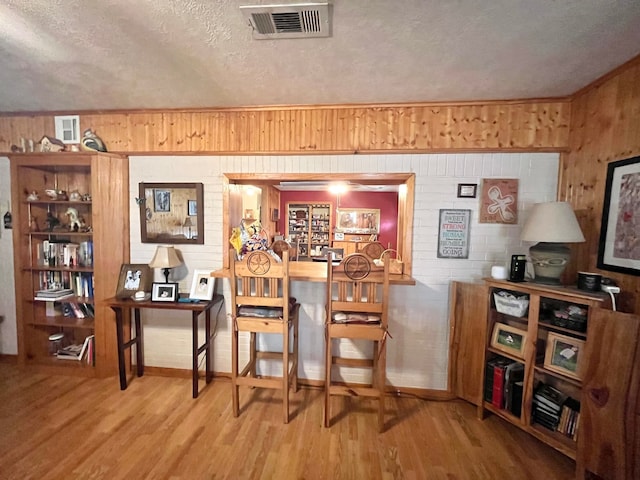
(54, 427)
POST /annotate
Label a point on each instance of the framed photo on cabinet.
(564, 355)
(508, 339)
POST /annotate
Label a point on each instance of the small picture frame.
(338, 236)
(161, 200)
(508, 339)
(134, 277)
(564, 355)
(192, 208)
(275, 215)
(202, 285)
(467, 190)
(164, 292)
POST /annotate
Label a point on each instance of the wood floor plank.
(76, 428)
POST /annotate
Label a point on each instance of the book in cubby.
(555, 410)
(503, 384)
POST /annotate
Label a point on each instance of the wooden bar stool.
(357, 309)
(260, 304)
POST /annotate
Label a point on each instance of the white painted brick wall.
(418, 352)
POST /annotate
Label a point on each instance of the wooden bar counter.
(316, 272)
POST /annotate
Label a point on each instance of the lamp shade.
(552, 222)
(165, 257)
(187, 222)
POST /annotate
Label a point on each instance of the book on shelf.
(497, 399)
(53, 294)
(513, 373)
(75, 351)
(489, 375)
(549, 396)
(78, 310)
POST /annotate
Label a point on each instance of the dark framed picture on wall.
(619, 250)
(467, 190)
(161, 200)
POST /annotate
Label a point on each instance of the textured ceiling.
(72, 55)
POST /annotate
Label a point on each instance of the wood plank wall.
(605, 127)
(529, 125)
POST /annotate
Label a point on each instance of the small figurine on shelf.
(32, 196)
(52, 221)
(75, 196)
(75, 222)
(51, 144)
(91, 142)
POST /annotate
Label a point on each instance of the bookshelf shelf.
(540, 369)
(51, 255)
(62, 321)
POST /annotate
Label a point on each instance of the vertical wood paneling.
(493, 125)
(605, 127)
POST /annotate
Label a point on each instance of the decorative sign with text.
(453, 233)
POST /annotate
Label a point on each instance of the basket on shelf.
(510, 304)
(395, 264)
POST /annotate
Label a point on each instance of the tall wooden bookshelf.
(46, 188)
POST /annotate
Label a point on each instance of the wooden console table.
(196, 309)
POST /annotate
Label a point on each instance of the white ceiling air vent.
(299, 20)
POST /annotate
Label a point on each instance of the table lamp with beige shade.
(165, 258)
(552, 225)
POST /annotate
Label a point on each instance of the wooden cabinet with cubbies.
(576, 351)
(70, 237)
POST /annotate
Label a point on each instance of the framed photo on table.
(618, 249)
(134, 277)
(164, 292)
(202, 285)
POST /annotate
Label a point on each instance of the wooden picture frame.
(164, 292)
(618, 250)
(508, 339)
(134, 277)
(165, 223)
(563, 355)
(499, 201)
(202, 285)
(358, 220)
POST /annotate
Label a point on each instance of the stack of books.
(77, 351)
(53, 294)
(503, 384)
(555, 410)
